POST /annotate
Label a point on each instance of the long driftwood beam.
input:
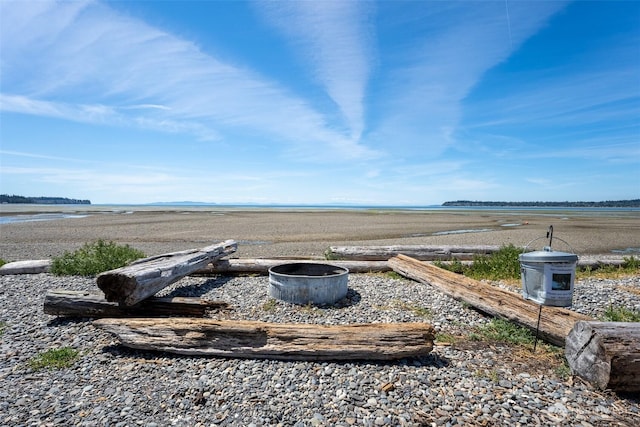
(131, 284)
(262, 265)
(607, 354)
(555, 322)
(34, 266)
(420, 252)
(60, 302)
(250, 339)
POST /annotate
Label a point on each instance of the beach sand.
(308, 233)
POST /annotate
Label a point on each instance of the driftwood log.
(262, 265)
(607, 354)
(131, 284)
(420, 252)
(555, 322)
(250, 339)
(61, 302)
(34, 266)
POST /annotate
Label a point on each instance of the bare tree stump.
(607, 354)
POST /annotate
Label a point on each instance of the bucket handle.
(539, 238)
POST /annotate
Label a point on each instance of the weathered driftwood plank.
(420, 252)
(34, 266)
(131, 284)
(61, 302)
(593, 262)
(250, 339)
(262, 265)
(607, 354)
(555, 322)
(598, 261)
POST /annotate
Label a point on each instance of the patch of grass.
(630, 266)
(563, 371)
(3, 326)
(329, 255)
(445, 337)
(413, 308)
(501, 265)
(501, 330)
(491, 374)
(94, 258)
(270, 305)
(620, 314)
(394, 275)
(521, 341)
(54, 359)
(2, 262)
(308, 308)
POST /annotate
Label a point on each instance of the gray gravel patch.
(454, 385)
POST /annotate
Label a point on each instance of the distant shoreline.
(635, 203)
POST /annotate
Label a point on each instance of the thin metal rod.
(535, 342)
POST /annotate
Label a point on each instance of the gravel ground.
(467, 383)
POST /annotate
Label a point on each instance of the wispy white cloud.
(334, 38)
(92, 61)
(455, 45)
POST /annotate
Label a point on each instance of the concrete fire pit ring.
(308, 283)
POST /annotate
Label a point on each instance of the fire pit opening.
(308, 283)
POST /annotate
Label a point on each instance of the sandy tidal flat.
(302, 233)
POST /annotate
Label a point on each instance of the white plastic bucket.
(548, 277)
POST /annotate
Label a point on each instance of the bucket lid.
(548, 256)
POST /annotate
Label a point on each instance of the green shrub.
(2, 262)
(94, 258)
(503, 264)
(54, 359)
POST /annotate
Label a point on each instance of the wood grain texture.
(262, 265)
(133, 283)
(420, 252)
(60, 302)
(251, 339)
(607, 354)
(555, 322)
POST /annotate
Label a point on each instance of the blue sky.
(320, 102)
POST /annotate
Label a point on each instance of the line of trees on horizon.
(634, 203)
(5, 198)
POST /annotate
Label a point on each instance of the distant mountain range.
(5, 198)
(635, 203)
